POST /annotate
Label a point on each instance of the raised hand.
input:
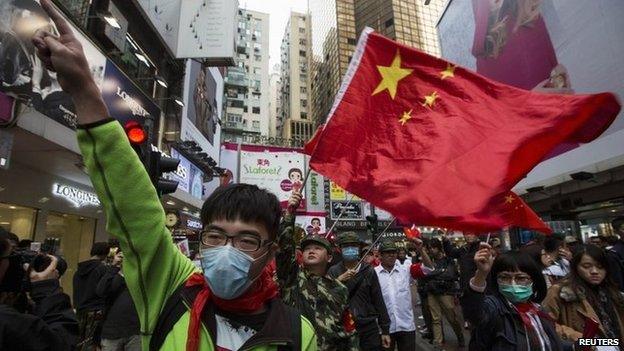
(294, 201)
(484, 258)
(49, 273)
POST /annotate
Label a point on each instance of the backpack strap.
(294, 317)
(170, 314)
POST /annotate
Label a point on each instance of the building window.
(302, 53)
(304, 103)
(255, 110)
(302, 42)
(302, 30)
(303, 90)
(255, 124)
(304, 115)
(351, 41)
(389, 23)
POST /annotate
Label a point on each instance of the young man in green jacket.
(233, 305)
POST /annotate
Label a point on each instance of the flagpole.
(342, 212)
(375, 242)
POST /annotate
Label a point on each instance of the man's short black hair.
(100, 249)
(315, 219)
(244, 202)
(519, 261)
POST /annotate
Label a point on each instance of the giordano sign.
(77, 197)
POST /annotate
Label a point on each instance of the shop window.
(18, 220)
(76, 234)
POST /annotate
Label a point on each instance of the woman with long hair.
(510, 318)
(587, 295)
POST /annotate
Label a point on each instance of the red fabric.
(347, 321)
(453, 164)
(412, 232)
(264, 289)
(416, 271)
(311, 144)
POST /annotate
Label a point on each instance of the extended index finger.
(61, 24)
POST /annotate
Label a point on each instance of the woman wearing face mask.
(510, 318)
(588, 293)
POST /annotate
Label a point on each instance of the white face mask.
(226, 270)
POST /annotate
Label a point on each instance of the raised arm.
(153, 267)
(285, 259)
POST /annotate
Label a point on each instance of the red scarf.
(263, 290)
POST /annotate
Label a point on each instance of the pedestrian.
(441, 288)
(560, 256)
(510, 317)
(365, 298)
(618, 230)
(572, 243)
(120, 328)
(309, 288)
(88, 304)
(465, 257)
(52, 325)
(589, 293)
(233, 304)
(394, 279)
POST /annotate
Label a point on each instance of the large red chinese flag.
(436, 144)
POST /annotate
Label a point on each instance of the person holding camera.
(51, 323)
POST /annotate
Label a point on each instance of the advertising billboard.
(189, 177)
(312, 222)
(23, 75)
(202, 109)
(279, 170)
(558, 46)
(195, 28)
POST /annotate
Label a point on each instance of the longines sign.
(78, 197)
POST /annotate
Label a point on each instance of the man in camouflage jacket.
(320, 298)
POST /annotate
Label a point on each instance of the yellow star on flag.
(391, 75)
(509, 199)
(406, 117)
(430, 99)
(449, 72)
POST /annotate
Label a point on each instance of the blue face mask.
(516, 293)
(351, 253)
(226, 270)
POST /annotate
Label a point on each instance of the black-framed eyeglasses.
(243, 242)
(510, 279)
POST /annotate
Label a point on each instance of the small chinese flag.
(411, 233)
(439, 145)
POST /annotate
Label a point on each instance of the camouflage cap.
(388, 245)
(348, 238)
(316, 239)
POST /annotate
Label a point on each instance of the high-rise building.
(333, 41)
(246, 86)
(275, 100)
(336, 25)
(295, 80)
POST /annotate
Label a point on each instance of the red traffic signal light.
(135, 132)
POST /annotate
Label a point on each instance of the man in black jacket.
(365, 299)
(52, 324)
(89, 305)
(441, 287)
(120, 329)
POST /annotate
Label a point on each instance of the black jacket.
(443, 279)
(497, 326)
(86, 279)
(365, 298)
(121, 318)
(465, 257)
(52, 326)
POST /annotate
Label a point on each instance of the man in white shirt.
(394, 279)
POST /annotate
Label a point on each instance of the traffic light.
(372, 225)
(159, 164)
(155, 163)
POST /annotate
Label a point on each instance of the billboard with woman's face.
(557, 46)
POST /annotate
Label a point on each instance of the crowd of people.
(258, 289)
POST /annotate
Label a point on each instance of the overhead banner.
(278, 170)
(315, 193)
(311, 222)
